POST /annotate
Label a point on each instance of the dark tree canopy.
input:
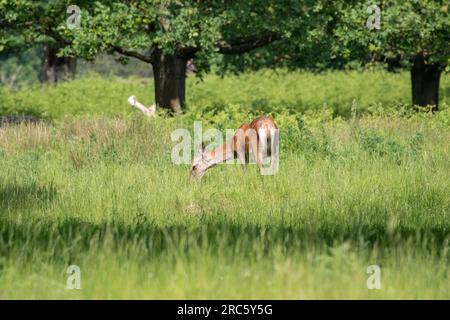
(240, 34)
(26, 24)
(416, 34)
(167, 34)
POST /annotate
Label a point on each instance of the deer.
(149, 112)
(258, 138)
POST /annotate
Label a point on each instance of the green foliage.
(19, 69)
(229, 101)
(90, 95)
(407, 28)
(26, 23)
(180, 27)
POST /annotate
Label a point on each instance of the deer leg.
(274, 151)
(240, 151)
(264, 155)
(256, 150)
(240, 155)
(260, 162)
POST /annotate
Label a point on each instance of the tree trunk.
(425, 83)
(55, 69)
(169, 72)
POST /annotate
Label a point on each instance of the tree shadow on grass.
(72, 238)
(14, 196)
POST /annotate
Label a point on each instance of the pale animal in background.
(149, 112)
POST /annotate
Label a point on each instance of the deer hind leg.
(242, 149)
(268, 152)
(239, 151)
(259, 150)
(241, 158)
(274, 151)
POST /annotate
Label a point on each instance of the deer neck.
(219, 155)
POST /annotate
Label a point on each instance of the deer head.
(200, 163)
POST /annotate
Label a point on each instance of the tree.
(19, 67)
(27, 23)
(55, 68)
(414, 33)
(166, 34)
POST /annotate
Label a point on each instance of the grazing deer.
(149, 112)
(259, 137)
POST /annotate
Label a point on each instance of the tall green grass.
(103, 194)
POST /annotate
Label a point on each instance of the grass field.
(97, 189)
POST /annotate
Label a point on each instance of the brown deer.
(257, 138)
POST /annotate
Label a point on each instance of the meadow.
(363, 180)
